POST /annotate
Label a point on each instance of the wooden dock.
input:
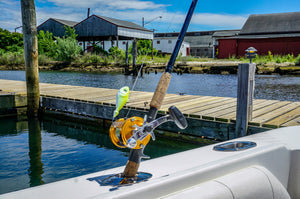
(266, 113)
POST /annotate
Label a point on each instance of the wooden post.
(117, 41)
(245, 92)
(152, 49)
(134, 55)
(134, 46)
(31, 56)
(126, 54)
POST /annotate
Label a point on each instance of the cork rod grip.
(161, 90)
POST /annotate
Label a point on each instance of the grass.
(12, 58)
(270, 58)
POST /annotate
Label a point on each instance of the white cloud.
(131, 4)
(10, 15)
(76, 3)
(219, 20)
(115, 4)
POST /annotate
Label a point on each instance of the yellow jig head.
(121, 99)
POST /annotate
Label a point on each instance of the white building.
(166, 45)
(106, 45)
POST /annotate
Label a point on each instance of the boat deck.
(266, 113)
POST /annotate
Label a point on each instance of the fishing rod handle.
(161, 90)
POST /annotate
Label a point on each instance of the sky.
(208, 15)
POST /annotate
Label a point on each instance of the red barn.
(278, 33)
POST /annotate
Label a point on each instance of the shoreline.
(215, 67)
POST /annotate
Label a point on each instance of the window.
(170, 41)
(158, 42)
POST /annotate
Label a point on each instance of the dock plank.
(293, 122)
(184, 103)
(283, 118)
(202, 102)
(206, 106)
(269, 108)
(274, 114)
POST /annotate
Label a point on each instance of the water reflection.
(35, 170)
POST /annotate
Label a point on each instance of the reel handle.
(174, 115)
(177, 117)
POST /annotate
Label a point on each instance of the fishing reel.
(135, 132)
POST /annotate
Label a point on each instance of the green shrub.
(144, 46)
(91, 58)
(290, 58)
(99, 50)
(279, 59)
(297, 61)
(67, 49)
(269, 56)
(117, 55)
(46, 44)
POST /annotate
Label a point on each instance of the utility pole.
(31, 56)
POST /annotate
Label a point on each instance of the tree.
(12, 42)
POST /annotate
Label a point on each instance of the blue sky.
(209, 15)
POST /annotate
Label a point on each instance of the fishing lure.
(121, 99)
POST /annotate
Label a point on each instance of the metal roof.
(226, 33)
(121, 23)
(272, 23)
(65, 22)
(264, 36)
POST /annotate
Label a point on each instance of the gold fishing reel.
(122, 130)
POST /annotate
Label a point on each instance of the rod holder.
(235, 146)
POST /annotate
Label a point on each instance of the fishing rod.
(135, 132)
(135, 155)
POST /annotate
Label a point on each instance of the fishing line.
(181, 4)
(135, 81)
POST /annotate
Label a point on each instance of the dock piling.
(245, 93)
(31, 56)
